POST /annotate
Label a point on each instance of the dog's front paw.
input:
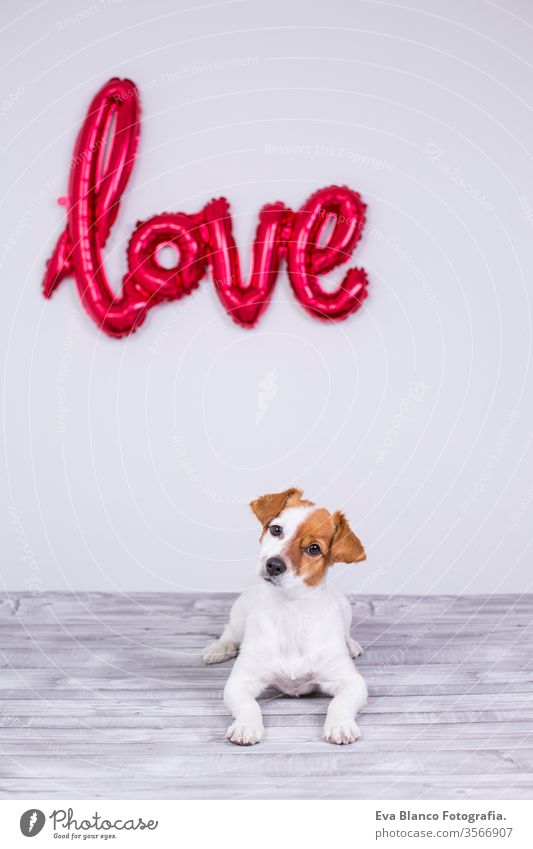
(244, 735)
(354, 648)
(342, 732)
(219, 651)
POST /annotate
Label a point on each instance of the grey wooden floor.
(106, 696)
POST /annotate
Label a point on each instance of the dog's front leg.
(240, 694)
(228, 645)
(353, 647)
(349, 696)
(223, 649)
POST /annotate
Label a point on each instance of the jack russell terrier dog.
(290, 631)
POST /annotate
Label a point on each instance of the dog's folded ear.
(268, 506)
(345, 546)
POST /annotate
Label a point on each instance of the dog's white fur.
(294, 637)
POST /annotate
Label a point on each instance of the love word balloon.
(313, 241)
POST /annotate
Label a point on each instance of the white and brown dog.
(290, 631)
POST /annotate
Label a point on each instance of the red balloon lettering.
(313, 241)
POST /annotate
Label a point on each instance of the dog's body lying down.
(290, 631)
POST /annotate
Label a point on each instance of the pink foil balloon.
(145, 271)
(101, 166)
(307, 256)
(245, 302)
(102, 162)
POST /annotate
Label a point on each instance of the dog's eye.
(313, 550)
(276, 530)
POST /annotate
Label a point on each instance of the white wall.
(129, 464)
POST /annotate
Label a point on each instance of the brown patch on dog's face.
(323, 539)
(309, 551)
(268, 506)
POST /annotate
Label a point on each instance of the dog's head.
(300, 541)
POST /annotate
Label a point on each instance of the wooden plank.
(111, 677)
(185, 658)
(493, 786)
(398, 608)
(280, 737)
(202, 715)
(293, 762)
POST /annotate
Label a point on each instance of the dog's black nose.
(275, 566)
